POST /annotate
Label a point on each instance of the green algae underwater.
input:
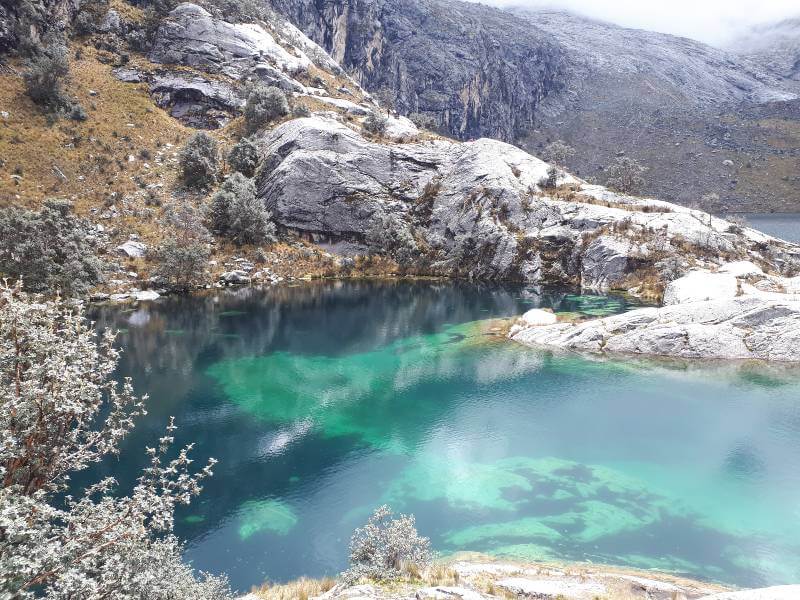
(325, 400)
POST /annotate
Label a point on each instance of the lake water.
(781, 225)
(323, 401)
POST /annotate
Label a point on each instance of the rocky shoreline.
(477, 577)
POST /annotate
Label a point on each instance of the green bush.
(626, 176)
(376, 124)
(236, 213)
(264, 105)
(199, 161)
(45, 75)
(49, 250)
(388, 235)
(243, 157)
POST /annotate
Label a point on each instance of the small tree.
(626, 176)
(199, 161)
(264, 105)
(557, 153)
(45, 75)
(182, 259)
(62, 412)
(376, 124)
(385, 546)
(238, 214)
(390, 236)
(50, 250)
(243, 157)
(550, 182)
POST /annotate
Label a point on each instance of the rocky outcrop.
(482, 211)
(32, 20)
(680, 107)
(707, 315)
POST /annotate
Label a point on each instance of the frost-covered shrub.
(44, 76)
(199, 161)
(300, 111)
(62, 412)
(243, 157)
(424, 121)
(385, 546)
(182, 259)
(550, 182)
(264, 105)
(236, 213)
(557, 153)
(375, 124)
(626, 176)
(50, 250)
(390, 236)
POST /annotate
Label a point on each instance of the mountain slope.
(682, 108)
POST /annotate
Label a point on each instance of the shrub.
(375, 124)
(243, 157)
(45, 74)
(85, 23)
(48, 250)
(626, 176)
(264, 105)
(557, 153)
(236, 213)
(62, 412)
(385, 547)
(199, 161)
(301, 110)
(182, 259)
(550, 182)
(424, 121)
(390, 236)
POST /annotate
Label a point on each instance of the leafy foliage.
(182, 258)
(550, 182)
(199, 161)
(375, 124)
(557, 153)
(385, 546)
(45, 75)
(48, 250)
(62, 412)
(626, 176)
(264, 105)
(243, 157)
(390, 236)
(239, 215)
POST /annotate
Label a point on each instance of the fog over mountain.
(714, 22)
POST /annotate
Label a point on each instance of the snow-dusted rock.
(699, 286)
(400, 127)
(780, 592)
(551, 588)
(741, 268)
(132, 249)
(237, 277)
(448, 593)
(146, 296)
(734, 328)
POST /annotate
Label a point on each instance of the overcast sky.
(711, 21)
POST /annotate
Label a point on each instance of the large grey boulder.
(196, 101)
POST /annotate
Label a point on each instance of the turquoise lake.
(325, 400)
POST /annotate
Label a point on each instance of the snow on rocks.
(132, 249)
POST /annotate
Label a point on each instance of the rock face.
(680, 107)
(708, 315)
(33, 20)
(482, 211)
(774, 45)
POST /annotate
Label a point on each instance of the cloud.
(711, 21)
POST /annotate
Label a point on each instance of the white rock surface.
(742, 268)
(146, 296)
(781, 592)
(699, 286)
(132, 249)
(552, 588)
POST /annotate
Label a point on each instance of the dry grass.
(302, 589)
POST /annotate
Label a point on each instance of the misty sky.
(711, 21)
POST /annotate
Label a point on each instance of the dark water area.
(325, 400)
(785, 226)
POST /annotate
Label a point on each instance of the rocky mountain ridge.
(703, 120)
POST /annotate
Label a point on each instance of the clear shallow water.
(325, 400)
(785, 226)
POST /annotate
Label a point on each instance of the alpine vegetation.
(388, 235)
(376, 124)
(48, 251)
(62, 412)
(182, 259)
(386, 547)
(264, 105)
(199, 161)
(243, 157)
(626, 176)
(236, 213)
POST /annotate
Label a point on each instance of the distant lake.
(781, 225)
